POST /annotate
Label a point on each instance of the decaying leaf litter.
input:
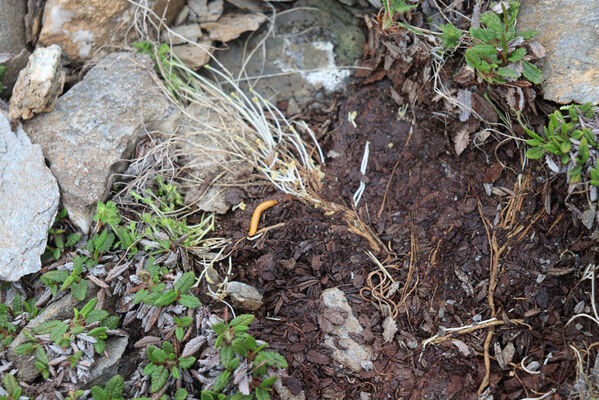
(461, 293)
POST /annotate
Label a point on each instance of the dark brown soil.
(430, 213)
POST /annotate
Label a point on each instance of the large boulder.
(29, 203)
(567, 30)
(94, 127)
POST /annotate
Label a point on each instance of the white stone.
(39, 84)
(29, 203)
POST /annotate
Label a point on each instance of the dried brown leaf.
(461, 140)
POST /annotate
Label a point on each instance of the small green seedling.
(8, 329)
(450, 36)
(569, 141)
(181, 324)
(11, 387)
(163, 364)
(57, 241)
(234, 344)
(94, 323)
(155, 293)
(113, 390)
(495, 57)
(73, 280)
(32, 345)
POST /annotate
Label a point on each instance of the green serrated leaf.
(115, 387)
(262, 394)
(10, 384)
(181, 394)
(158, 356)
(96, 315)
(166, 298)
(90, 305)
(25, 348)
(100, 346)
(535, 153)
(507, 72)
(58, 332)
(243, 319)
(168, 347)
(79, 290)
(40, 355)
(232, 365)
(517, 55)
(54, 276)
(226, 355)
(189, 301)
(531, 72)
(450, 36)
(221, 381)
(186, 362)
(159, 377)
(267, 382)
(98, 393)
(185, 282)
(276, 357)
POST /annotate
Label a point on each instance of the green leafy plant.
(166, 201)
(234, 344)
(57, 241)
(73, 280)
(181, 324)
(392, 8)
(9, 315)
(155, 294)
(163, 364)
(94, 323)
(497, 56)
(568, 140)
(11, 387)
(34, 345)
(113, 390)
(107, 214)
(450, 36)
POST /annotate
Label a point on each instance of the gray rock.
(39, 84)
(346, 350)
(12, 26)
(244, 296)
(29, 203)
(106, 366)
(311, 41)
(94, 127)
(567, 30)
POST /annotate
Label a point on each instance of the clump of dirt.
(427, 206)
